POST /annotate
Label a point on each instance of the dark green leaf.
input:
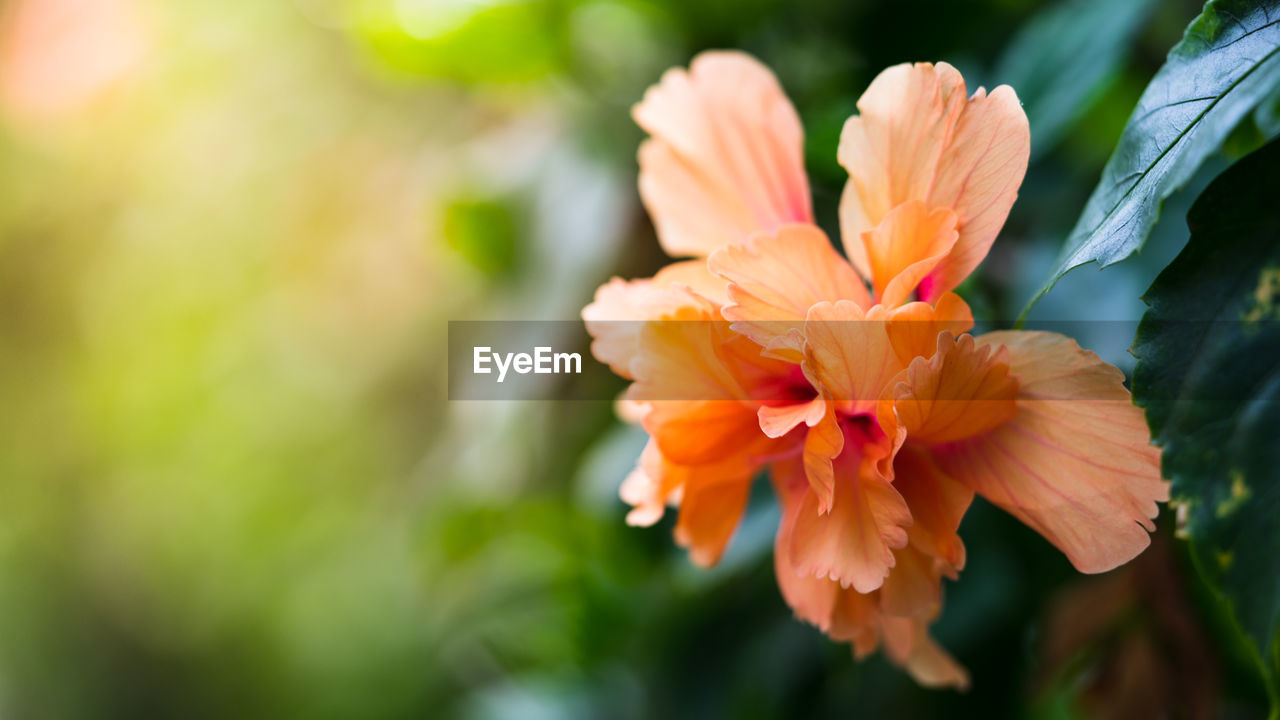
(1227, 63)
(1209, 377)
(1063, 59)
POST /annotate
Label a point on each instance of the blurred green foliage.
(484, 232)
(1064, 58)
(233, 484)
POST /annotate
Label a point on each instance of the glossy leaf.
(1226, 64)
(1209, 378)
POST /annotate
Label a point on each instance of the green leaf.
(1227, 63)
(1064, 58)
(471, 43)
(1209, 377)
(484, 232)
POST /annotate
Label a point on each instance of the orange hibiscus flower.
(855, 382)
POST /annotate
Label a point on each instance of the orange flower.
(855, 382)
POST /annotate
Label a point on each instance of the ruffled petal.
(725, 160)
(899, 611)
(1075, 462)
(824, 441)
(849, 359)
(848, 356)
(963, 390)
(695, 276)
(614, 319)
(775, 279)
(812, 599)
(678, 356)
(853, 543)
(913, 328)
(648, 488)
(711, 497)
(917, 137)
(621, 307)
(701, 383)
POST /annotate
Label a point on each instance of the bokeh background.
(231, 480)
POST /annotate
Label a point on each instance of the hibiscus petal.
(710, 510)
(766, 377)
(978, 176)
(613, 321)
(644, 488)
(918, 138)
(854, 542)
(630, 411)
(711, 496)
(621, 307)
(702, 385)
(907, 642)
(810, 598)
(892, 147)
(678, 357)
(961, 391)
(822, 444)
(788, 347)
(938, 503)
(775, 279)
(699, 432)
(914, 586)
(695, 276)
(1075, 462)
(847, 355)
(725, 160)
(699, 411)
(856, 619)
(913, 328)
(905, 247)
(843, 613)
(779, 420)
